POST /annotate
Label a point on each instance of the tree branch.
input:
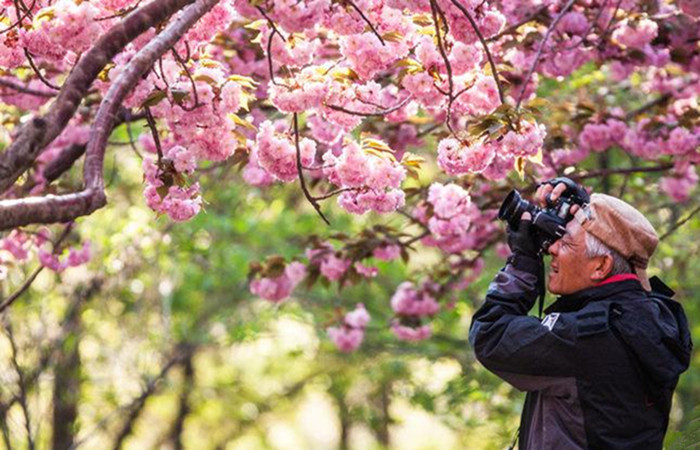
(307, 194)
(434, 9)
(359, 11)
(51, 209)
(24, 89)
(679, 224)
(379, 113)
(36, 134)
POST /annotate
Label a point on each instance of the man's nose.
(554, 248)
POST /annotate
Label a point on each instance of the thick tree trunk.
(184, 408)
(67, 389)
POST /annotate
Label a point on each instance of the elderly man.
(601, 367)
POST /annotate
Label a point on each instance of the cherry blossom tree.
(420, 108)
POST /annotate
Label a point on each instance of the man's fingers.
(574, 208)
(557, 191)
(542, 192)
(526, 216)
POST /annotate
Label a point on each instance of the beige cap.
(621, 227)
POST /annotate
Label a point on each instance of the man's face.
(570, 270)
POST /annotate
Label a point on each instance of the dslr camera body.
(549, 222)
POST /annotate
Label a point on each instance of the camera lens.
(512, 208)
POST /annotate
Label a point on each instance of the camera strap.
(541, 288)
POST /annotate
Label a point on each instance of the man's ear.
(602, 268)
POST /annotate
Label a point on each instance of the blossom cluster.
(412, 305)
(21, 245)
(371, 178)
(278, 288)
(349, 335)
(492, 156)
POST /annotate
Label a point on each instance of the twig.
(24, 89)
(536, 61)
(271, 23)
(189, 75)
(274, 31)
(434, 9)
(269, 59)
(131, 140)
(383, 112)
(20, 18)
(416, 238)
(334, 193)
(679, 224)
(307, 194)
(38, 72)
(28, 282)
(486, 48)
(154, 132)
(359, 11)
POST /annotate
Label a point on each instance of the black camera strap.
(541, 288)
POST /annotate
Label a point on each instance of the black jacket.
(599, 370)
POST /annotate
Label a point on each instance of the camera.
(550, 222)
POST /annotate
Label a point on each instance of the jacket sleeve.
(519, 348)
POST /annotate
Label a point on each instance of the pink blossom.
(635, 34)
(279, 288)
(304, 92)
(465, 57)
(679, 186)
(51, 261)
(18, 244)
(681, 141)
(346, 339)
(362, 201)
(366, 271)
(574, 23)
(272, 289)
(408, 301)
(333, 267)
(255, 175)
(595, 137)
(456, 158)
(406, 333)
(79, 257)
(527, 141)
(277, 153)
(387, 252)
(183, 159)
(367, 56)
(358, 318)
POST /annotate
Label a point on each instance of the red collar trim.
(619, 277)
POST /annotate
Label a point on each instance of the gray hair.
(594, 247)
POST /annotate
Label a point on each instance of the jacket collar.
(577, 300)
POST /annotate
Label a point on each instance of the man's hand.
(521, 241)
(554, 192)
